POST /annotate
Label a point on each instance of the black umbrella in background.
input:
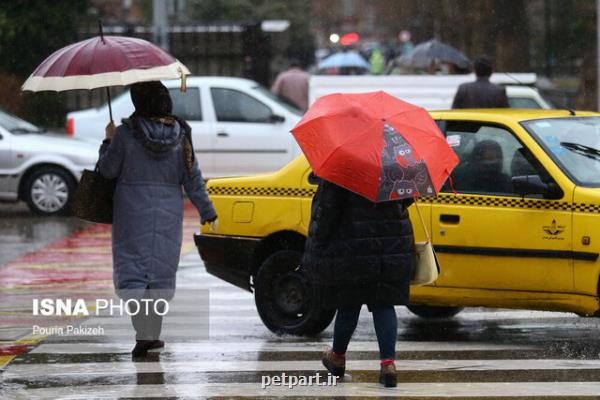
(433, 51)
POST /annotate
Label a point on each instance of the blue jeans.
(386, 328)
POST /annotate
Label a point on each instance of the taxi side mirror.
(527, 185)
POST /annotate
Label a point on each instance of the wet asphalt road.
(479, 354)
(22, 232)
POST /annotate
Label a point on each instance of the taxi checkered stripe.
(511, 203)
(261, 191)
(481, 201)
(587, 208)
(497, 202)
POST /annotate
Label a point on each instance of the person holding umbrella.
(150, 156)
(374, 154)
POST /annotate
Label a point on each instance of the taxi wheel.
(286, 298)
(434, 311)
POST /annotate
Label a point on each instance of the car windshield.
(289, 106)
(574, 143)
(15, 124)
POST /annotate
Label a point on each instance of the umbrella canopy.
(433, 50)
(104, 61)
(375, 145)
(345, 59)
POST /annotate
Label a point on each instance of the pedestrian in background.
(151, 156)
(292, 85)
(481, 93)
(360, 252)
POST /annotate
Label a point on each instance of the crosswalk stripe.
(27, 370)
(241, 351)
(348, 389)
(220, 347)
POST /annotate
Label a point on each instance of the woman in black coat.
(360, 252)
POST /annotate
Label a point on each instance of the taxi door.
(489, 237)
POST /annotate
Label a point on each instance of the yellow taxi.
(517, 226)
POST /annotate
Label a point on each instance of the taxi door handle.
(223, 134)
(450, 218)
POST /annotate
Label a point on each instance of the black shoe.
(335, 364)
(142, 346)
(387, 375)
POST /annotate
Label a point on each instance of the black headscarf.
(151, 99)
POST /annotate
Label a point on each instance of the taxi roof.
(504, 114)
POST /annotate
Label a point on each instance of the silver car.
(40, 168)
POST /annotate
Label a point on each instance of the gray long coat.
(148, 203)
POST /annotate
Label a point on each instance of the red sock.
(343, 355)
(387, 361)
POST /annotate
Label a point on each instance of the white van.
(238, 126)
(432, 92)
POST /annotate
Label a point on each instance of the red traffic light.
(349, 38)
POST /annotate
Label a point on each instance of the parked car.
(238, 126)
(432, 92)
(532, 243)
(39, 167)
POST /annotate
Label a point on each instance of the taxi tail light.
(70, 126)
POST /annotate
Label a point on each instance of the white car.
(39, 167)
(433, 92)
(238, 126)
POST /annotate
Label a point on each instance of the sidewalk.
(78, 266)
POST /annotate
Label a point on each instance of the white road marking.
(284, 346)
(109, 368)
(444, 390)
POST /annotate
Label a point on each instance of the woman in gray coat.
(152, 157)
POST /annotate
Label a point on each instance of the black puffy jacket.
(359, 252)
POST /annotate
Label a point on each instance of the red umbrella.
(375, 145)
(105, 61)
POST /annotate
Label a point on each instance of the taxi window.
(573, 143)
(489, 155)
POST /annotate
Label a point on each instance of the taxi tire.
(433, 312)
(281, 265)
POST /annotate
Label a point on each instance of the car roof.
(212, 80)
(508, 114)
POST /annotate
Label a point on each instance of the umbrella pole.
(109, 104)
(107, 88)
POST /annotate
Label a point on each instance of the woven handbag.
(427, 268)
(93, 200)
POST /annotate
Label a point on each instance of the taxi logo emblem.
(554, 229)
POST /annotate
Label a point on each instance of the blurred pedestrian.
(360, 252)
(481, 93)
(377, 61)
(152, 157)
(292, 85)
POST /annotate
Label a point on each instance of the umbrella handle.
(109, 104)
(183, 77)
